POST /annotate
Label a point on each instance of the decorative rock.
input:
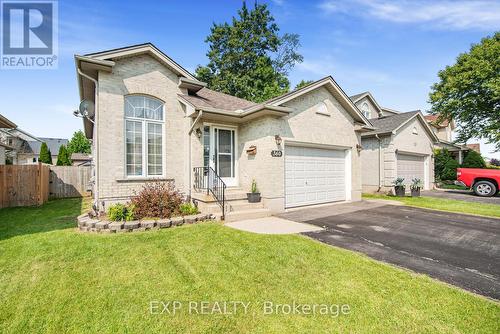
(131, 225)
(115, 226)
(177, 221)
(148, 224)
(190, 219)
(139, 229)
(164, 223)
(91, 223)
(101, 225)
(83, 217)
(201, 217)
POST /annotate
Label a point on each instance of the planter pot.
(400, 191)
(253, 197)
(415, 192)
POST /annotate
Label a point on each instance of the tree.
(247, 58)
(63, 158)
(441, 157)
(450, 170)
(303, 83)
(79, 143)
(45, 156)
(469, 92)
(473, 160)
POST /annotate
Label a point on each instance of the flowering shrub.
(157, 200)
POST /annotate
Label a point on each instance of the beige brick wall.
(137, 75)
(420, 143)
(304, 125)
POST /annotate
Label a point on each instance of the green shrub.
(441, 157)
(449, 171)
(45, 156)
(473, 160)
(121, 212)
(188, 209)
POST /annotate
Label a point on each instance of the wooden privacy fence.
(23, 185)
(69, 181)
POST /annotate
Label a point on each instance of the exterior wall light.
(198, 132)
(278, 139)
(359, 148)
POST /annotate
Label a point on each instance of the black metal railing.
(205, 178)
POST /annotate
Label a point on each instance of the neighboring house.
(444, 132)
(81, 159)
(31, 151)
(25, 148)
(154, 120)
(5, 125)
(401, 146)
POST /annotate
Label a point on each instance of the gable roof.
(144, 48)
(336, 91)
(389, 110)
(391, 124)
(433, 120)
(358, 97)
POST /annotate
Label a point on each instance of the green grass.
(55, 279)
(451, 205)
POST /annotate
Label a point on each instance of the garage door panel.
(314, 176)
(410, 167)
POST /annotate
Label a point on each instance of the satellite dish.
(87, 108)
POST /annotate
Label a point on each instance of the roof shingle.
(390, 123)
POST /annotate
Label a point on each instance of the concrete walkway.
(273, 225)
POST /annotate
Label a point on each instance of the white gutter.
(95, 139)
(379, 162)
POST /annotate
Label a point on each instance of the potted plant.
(416, 185)
(399, 187)
(254, 194)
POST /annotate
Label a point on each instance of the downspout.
(379, 162)
(189, 149)
(96, 124)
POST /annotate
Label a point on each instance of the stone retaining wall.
(89, 224)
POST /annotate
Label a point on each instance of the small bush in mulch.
(121, 212)
(157, 199)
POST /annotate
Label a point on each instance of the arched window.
(144, 128)
(365, 109)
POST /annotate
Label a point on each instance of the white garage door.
(410, 167)
(313, 176)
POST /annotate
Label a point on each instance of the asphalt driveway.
(462, 250)
(462, 195)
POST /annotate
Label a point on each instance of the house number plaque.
(276, 153)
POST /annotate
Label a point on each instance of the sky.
(394, 49)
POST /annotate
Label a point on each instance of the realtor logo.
(29, 34)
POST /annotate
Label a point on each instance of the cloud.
(444, 14)
(345, 73)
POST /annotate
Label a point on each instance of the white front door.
(222, 156)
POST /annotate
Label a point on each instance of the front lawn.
(55, 279)
(481, 209)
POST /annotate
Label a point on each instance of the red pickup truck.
(484, 182)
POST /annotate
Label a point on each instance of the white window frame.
(144, 123)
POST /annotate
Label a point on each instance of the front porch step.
(231, 195)
(233, 205)
(247, 214)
